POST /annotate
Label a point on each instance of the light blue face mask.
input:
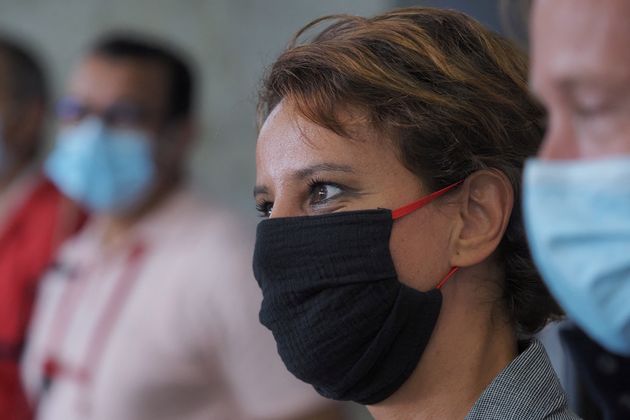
(104, 169)
(577, 215)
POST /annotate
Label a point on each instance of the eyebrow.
(259, 189)
(308, 172)
(569, 85)
(572, 81)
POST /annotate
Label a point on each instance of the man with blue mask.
(34, 216)
(151, 312)
(576, 197)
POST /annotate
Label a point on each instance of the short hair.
(27, 80)
(180, 73)
(449, 93)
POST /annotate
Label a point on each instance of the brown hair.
(451, 95)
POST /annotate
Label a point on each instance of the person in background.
(34, 217)
(576, 192)
(393, 262)
(149, 313)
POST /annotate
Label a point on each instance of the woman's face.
(304, 170)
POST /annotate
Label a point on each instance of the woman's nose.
(286, 208)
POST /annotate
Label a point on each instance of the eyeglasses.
(119, 115)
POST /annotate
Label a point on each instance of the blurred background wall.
(230, 40)
(507, 17)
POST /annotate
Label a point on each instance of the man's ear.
(24, 130)
(487, 198)
(186, 132)
(175, 142)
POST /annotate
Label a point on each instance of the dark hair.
(452, 96)
(27, 80)
(133, 46)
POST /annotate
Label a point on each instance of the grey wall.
(232, 40)
(486, 11)
(507, 17)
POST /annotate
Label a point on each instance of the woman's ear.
(486, 204)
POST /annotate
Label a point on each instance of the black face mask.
(331, 297)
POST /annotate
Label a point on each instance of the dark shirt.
(604, 376)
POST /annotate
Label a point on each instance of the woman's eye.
(264, 209)
(324, 192)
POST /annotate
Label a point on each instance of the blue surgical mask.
(106, 170)
(577, 215)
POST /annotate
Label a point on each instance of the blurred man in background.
(151, 312)
(34, 216)
(577, 193)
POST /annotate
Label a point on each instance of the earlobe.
(188, 132)
(175, 143)
(487, 198)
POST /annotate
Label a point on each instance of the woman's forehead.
(288, 140)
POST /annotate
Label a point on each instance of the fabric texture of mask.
(577, 216)
(331, 297)
(104, 169)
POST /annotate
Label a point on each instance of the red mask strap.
(410, 208)
(447, 278)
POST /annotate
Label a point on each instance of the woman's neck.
(469, 347)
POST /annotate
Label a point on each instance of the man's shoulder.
(198, 236)
(189, 212)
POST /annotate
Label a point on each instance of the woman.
(415, 311)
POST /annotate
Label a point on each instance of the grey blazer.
(527, 389)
